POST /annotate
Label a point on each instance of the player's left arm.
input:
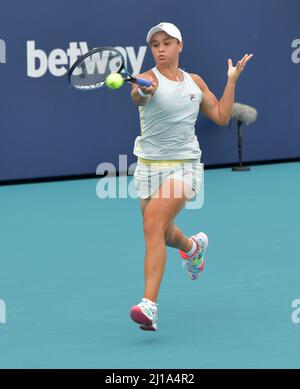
(219, 111)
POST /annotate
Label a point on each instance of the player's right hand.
(150, 90)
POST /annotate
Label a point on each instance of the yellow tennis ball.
(114, 81)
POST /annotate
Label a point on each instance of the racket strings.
(92, 71)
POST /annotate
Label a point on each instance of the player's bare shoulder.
(199, 81)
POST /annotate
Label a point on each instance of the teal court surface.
(71, 266)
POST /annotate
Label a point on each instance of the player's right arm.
(135, 95)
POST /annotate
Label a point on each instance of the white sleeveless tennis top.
(168, 121)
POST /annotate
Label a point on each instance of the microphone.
(244, 113)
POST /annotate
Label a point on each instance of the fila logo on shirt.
(2, 51)
(58, 61)
(296, 53)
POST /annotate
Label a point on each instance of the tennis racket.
(91, 69)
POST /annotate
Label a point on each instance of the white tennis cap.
(169, 28)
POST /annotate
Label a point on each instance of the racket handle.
(142, 82)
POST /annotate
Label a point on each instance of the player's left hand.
(235, 71)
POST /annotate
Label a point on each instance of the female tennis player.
(169, 171)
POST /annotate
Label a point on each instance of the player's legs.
(158, 216)
(174, 237)
(159, 229)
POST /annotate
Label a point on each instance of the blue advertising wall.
(48, 129)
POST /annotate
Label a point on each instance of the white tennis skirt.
(149, 176)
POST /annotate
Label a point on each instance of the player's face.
(165, 49)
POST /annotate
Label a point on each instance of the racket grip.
(142, 82)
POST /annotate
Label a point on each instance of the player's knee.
(153, 226)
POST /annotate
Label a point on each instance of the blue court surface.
(72, 266)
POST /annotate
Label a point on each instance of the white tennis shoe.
(195, 263)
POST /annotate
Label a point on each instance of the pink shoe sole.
(147, 328)
(139, 317)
